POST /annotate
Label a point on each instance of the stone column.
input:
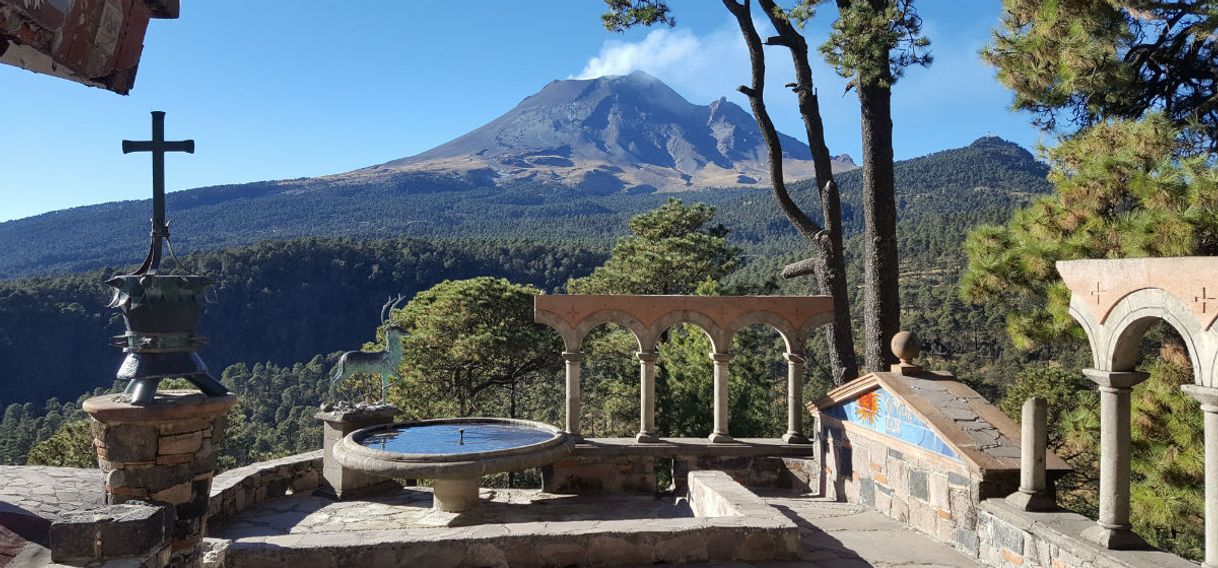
(795, 400)
(647, 397)
(573, 359)
(1033, 494)
(1208, 397)
(338, 482)
(165, 453)
(720, 433)
(1113, 530)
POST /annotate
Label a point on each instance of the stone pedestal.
(455, 495)
(164, 452)
(337, 481)
(1033, 493)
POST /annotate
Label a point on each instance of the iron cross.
(158, 146)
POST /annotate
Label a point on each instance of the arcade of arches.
(720, 317)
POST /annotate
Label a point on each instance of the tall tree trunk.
(881, 270)
(829, 278)
(830, 264)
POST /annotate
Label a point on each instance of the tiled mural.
(878, 410)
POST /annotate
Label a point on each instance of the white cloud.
(660, 51)
(701, 67)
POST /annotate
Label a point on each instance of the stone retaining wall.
(1010, 538)
(732, 525)
(610, 464)
(236, 489)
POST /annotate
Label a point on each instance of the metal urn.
(161, 311)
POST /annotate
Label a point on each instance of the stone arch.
(1133, 315)
(718, 339)
(635, 327)
(570, 339)
(1090, 329)
(791, 337)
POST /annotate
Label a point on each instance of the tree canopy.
(672, 250)
(1079, 62)
(1122, 190)
(470, 346)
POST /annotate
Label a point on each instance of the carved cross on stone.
(157, 147)
(1203, 299)
(1097, 292)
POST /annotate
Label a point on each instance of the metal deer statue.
(381, 363)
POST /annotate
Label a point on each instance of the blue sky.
(276, 89)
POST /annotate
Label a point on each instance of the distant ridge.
(990, 173)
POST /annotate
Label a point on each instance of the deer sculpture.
(380, 363)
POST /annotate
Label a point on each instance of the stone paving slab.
(411, 509)
(832, 534)
(845, 535)
(31, 497)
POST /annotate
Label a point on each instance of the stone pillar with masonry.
(1208, 397)
(573, 359)
(337, 481)
(163, 453)
(647, 397)
(1113, 530)
(720, 433)
(1033, 493)
(795, 400)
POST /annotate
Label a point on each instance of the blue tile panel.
(879, 411)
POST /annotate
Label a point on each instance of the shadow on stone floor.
(820, 547)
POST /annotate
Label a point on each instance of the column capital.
(721, 357)
(1207, 396)
(795, 357)
(1115, 380)
(573, 356)
(647, 356)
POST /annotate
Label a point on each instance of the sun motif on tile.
(868, 406)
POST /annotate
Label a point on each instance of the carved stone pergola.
(1116, 302)
(720, 317)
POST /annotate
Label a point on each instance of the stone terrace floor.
(834, 535)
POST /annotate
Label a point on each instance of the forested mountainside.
(990, 173)
(279, 301)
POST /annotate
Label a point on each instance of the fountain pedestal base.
(455, 495)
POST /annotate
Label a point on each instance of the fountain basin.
(454, 452)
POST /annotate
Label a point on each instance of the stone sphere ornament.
(906, 346)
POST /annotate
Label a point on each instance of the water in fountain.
(447, 438)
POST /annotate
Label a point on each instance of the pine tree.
(1079, 62)
(1122, 189)
(672, 250)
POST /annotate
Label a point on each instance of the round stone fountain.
(455, 453)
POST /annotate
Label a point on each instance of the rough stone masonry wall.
(930, 492)
(590, 472)
(236, 489)
(1011, 538)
